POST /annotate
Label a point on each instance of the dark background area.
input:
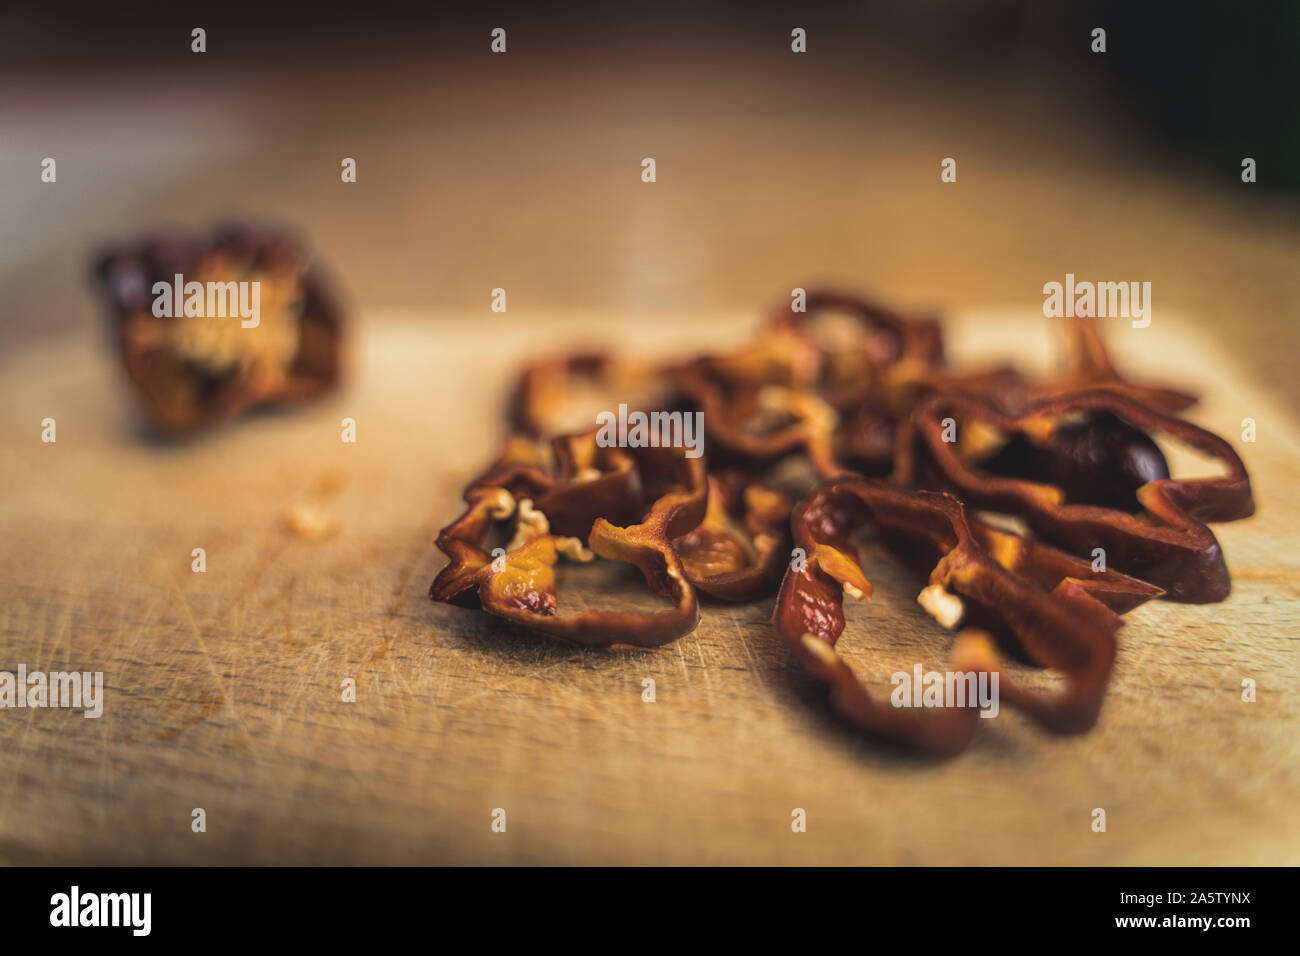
(1199, 83)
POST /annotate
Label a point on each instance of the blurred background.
(523, 171)
(774, 169)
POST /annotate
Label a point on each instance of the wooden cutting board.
(223, 688)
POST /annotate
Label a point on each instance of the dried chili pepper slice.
(518, 583)
(875, 371)
(737, 553)
(1090, 368)
(1079, 457)
(560, 396)
(876, 377)
(758, 404)
(766, 424)
(1048, 566)
(880, 340)
(1053, 606)
(195, 370)
(572, 479)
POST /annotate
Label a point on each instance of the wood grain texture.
(523, 171)
(223, 688)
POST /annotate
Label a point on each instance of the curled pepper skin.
(1091, 369)
(518, 583)
(1054, 607)
(758, 403)
(888, 346)
(874, 373)
(737, 553)
(574, 481)
(192, 372)
(875, 379)
(764, 426)
(548, 399)
(1162, 539)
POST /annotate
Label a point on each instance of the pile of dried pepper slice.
(839, 417)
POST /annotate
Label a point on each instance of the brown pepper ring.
(737, 553)
(518, 583)
(891, 342)
(1167, 544)
(1065, 628)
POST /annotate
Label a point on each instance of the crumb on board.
(310, 522)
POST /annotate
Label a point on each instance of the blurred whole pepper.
(199, 358)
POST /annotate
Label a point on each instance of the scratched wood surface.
(223, 688)
(523, 172)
